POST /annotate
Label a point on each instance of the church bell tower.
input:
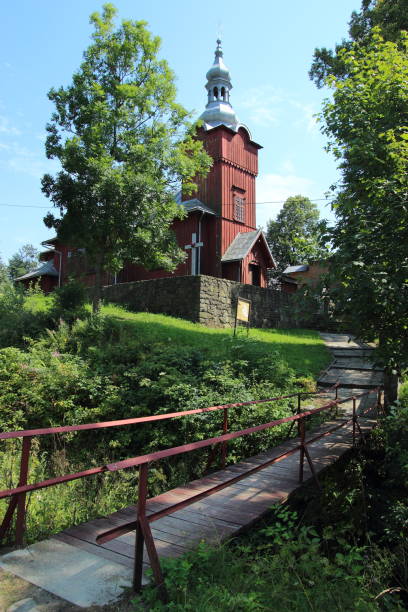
(229, 187)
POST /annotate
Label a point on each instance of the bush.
(17, 323)
(69, 301)
(283, 568)
(403, 394)
(395, 432)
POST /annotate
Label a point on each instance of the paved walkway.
(72, 566)
(351, 366)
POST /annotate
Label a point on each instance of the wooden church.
(219, 233)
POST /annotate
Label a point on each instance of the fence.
(142, 520)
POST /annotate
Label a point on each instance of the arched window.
(223, 93)
(239, 208)
(216, 93)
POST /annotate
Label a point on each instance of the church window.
(223, 93)
(216, 92)
(239, 209)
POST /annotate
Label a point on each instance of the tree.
(25, 260)
(390, 15)
(3, 272)
(125, 146)
(296, 236)
(366, 123)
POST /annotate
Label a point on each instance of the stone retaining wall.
(202, 299)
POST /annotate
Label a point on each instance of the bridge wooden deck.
(78, 558)
(225, 513)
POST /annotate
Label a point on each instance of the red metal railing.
(142, 520)
(18, 494)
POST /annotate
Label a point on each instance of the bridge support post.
(224, 444)
(144, 536)
(18, 501)
(354, 421)
(139, 544)
(21, 503)
(301, 423)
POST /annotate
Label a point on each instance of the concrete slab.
(75, 575)
(24, 605)
(361, 379)
(345, 341)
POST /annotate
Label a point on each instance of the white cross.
(195, 254)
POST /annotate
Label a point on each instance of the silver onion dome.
(218, 110)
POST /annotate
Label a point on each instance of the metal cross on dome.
(195, 254)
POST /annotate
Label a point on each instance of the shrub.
(16, 321)
(69, 301)
(282, 568)
(403, 394)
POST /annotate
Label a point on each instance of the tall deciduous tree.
(3, 272)
(390, 15)
(296, 236)
(25, 260)
(124, 145)
(366, 123)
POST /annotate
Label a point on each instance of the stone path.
(351, 366)
(72, 566)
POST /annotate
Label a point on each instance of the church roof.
(292, 269)
(195, 204)
(47, 269)
(242, 244)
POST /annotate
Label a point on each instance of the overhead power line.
(256, 203)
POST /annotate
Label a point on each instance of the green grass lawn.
(303, 349)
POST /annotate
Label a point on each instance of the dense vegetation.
(119, 365)
(343, 548)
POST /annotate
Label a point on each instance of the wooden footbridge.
(211, 508)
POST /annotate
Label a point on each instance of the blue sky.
(268, 46)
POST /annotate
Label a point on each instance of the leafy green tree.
(390, 15)
(366, 123)
(3, 272)
(125, 145)
(297, 234)
(25, 260)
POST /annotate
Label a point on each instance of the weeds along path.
(84, 567)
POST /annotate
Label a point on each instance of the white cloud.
(274, 189)
(307, 117)
(22, 160)
(7, 128)
(263, 105)
(267, 106)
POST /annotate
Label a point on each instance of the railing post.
(144, 536)
(299, 409)
(379, 407)
(354, 421)
(224, 444)
(21, 500)
(141, 513)
(301, 423)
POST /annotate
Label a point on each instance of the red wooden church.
(219, 233)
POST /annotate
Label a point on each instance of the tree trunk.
(390, 389)
(97, 292)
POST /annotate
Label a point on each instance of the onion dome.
(219, 110)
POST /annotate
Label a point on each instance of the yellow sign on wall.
(243, 310)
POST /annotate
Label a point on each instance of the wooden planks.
(226, 512)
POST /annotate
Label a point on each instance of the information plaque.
(243, 313)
